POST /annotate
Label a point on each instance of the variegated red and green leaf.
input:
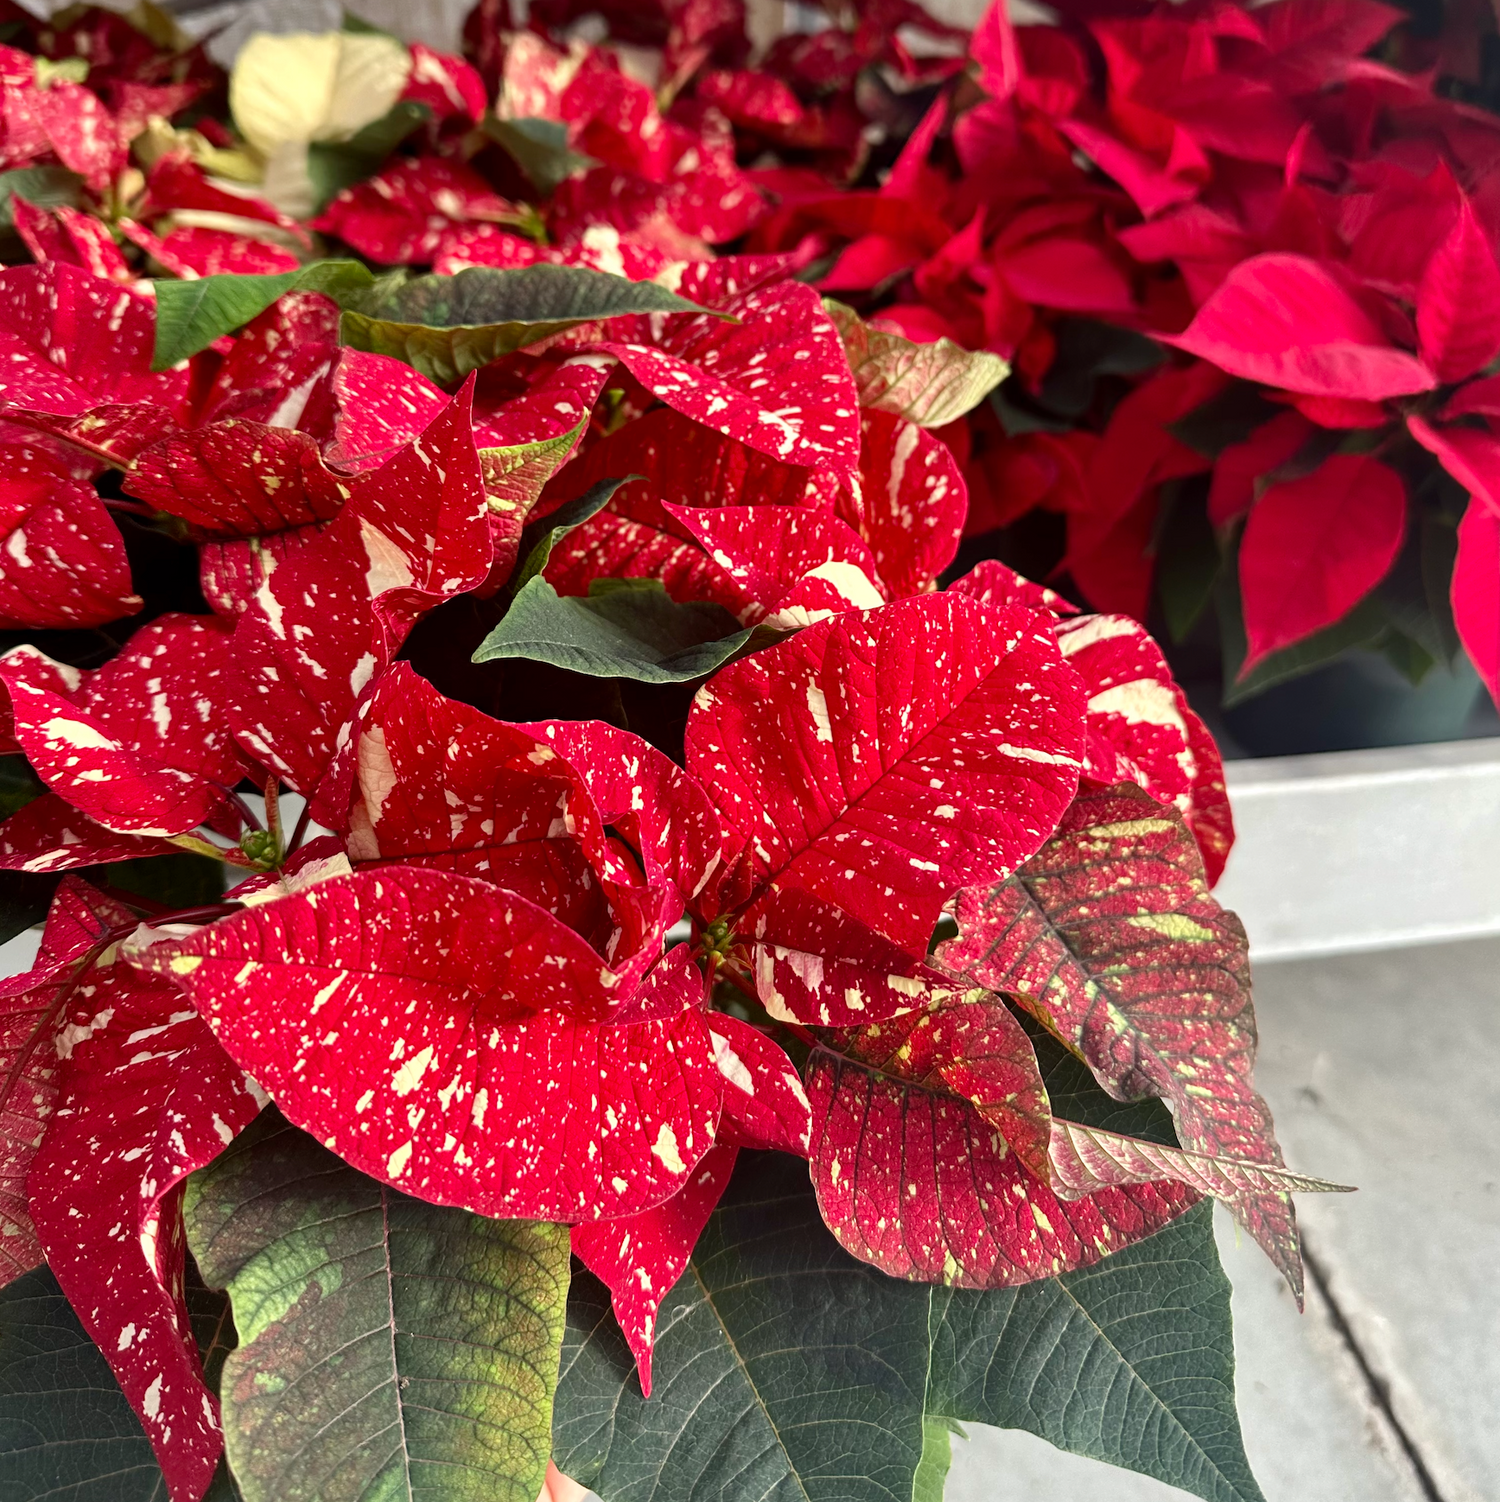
(1110, 937)
(915, 1180)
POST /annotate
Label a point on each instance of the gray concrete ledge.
(1359, 850)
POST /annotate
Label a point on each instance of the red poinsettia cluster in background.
(1222, 248)
(1316, 225)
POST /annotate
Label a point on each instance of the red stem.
(300, 832)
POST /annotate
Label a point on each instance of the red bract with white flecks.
(663, 882)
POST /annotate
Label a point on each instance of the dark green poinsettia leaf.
(1086, 351)
(24, 895)
(782, 1369)
(1130, 1361)
(1187, 557)
(446, 326)
(336, 165)
(544, 535)
(623, 628)
(397, 1348)
(190, 315)
(43, 187)
(65, 1427)
(539, 148)
(176, 881)
(18, 784)
(1075, 1095)
(1230, 417)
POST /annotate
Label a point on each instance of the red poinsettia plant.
(658, 813)
(579, 940)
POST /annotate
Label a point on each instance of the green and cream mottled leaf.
(514, 475)
(928, 384)
(388, 1347)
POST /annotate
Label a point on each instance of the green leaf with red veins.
(433, 1031)
(146, 1097)
(916, 1170)
(1110, 937)
(1085, 1159)
(142, 744)
(931, 384)
(910, 503)
(239, 479)
(33, 1011)
(882, 759)
(640, 1257)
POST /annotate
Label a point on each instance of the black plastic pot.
(1359, 700)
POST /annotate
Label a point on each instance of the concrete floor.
(1380, 1069)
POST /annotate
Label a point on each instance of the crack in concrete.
(1378, 1387)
